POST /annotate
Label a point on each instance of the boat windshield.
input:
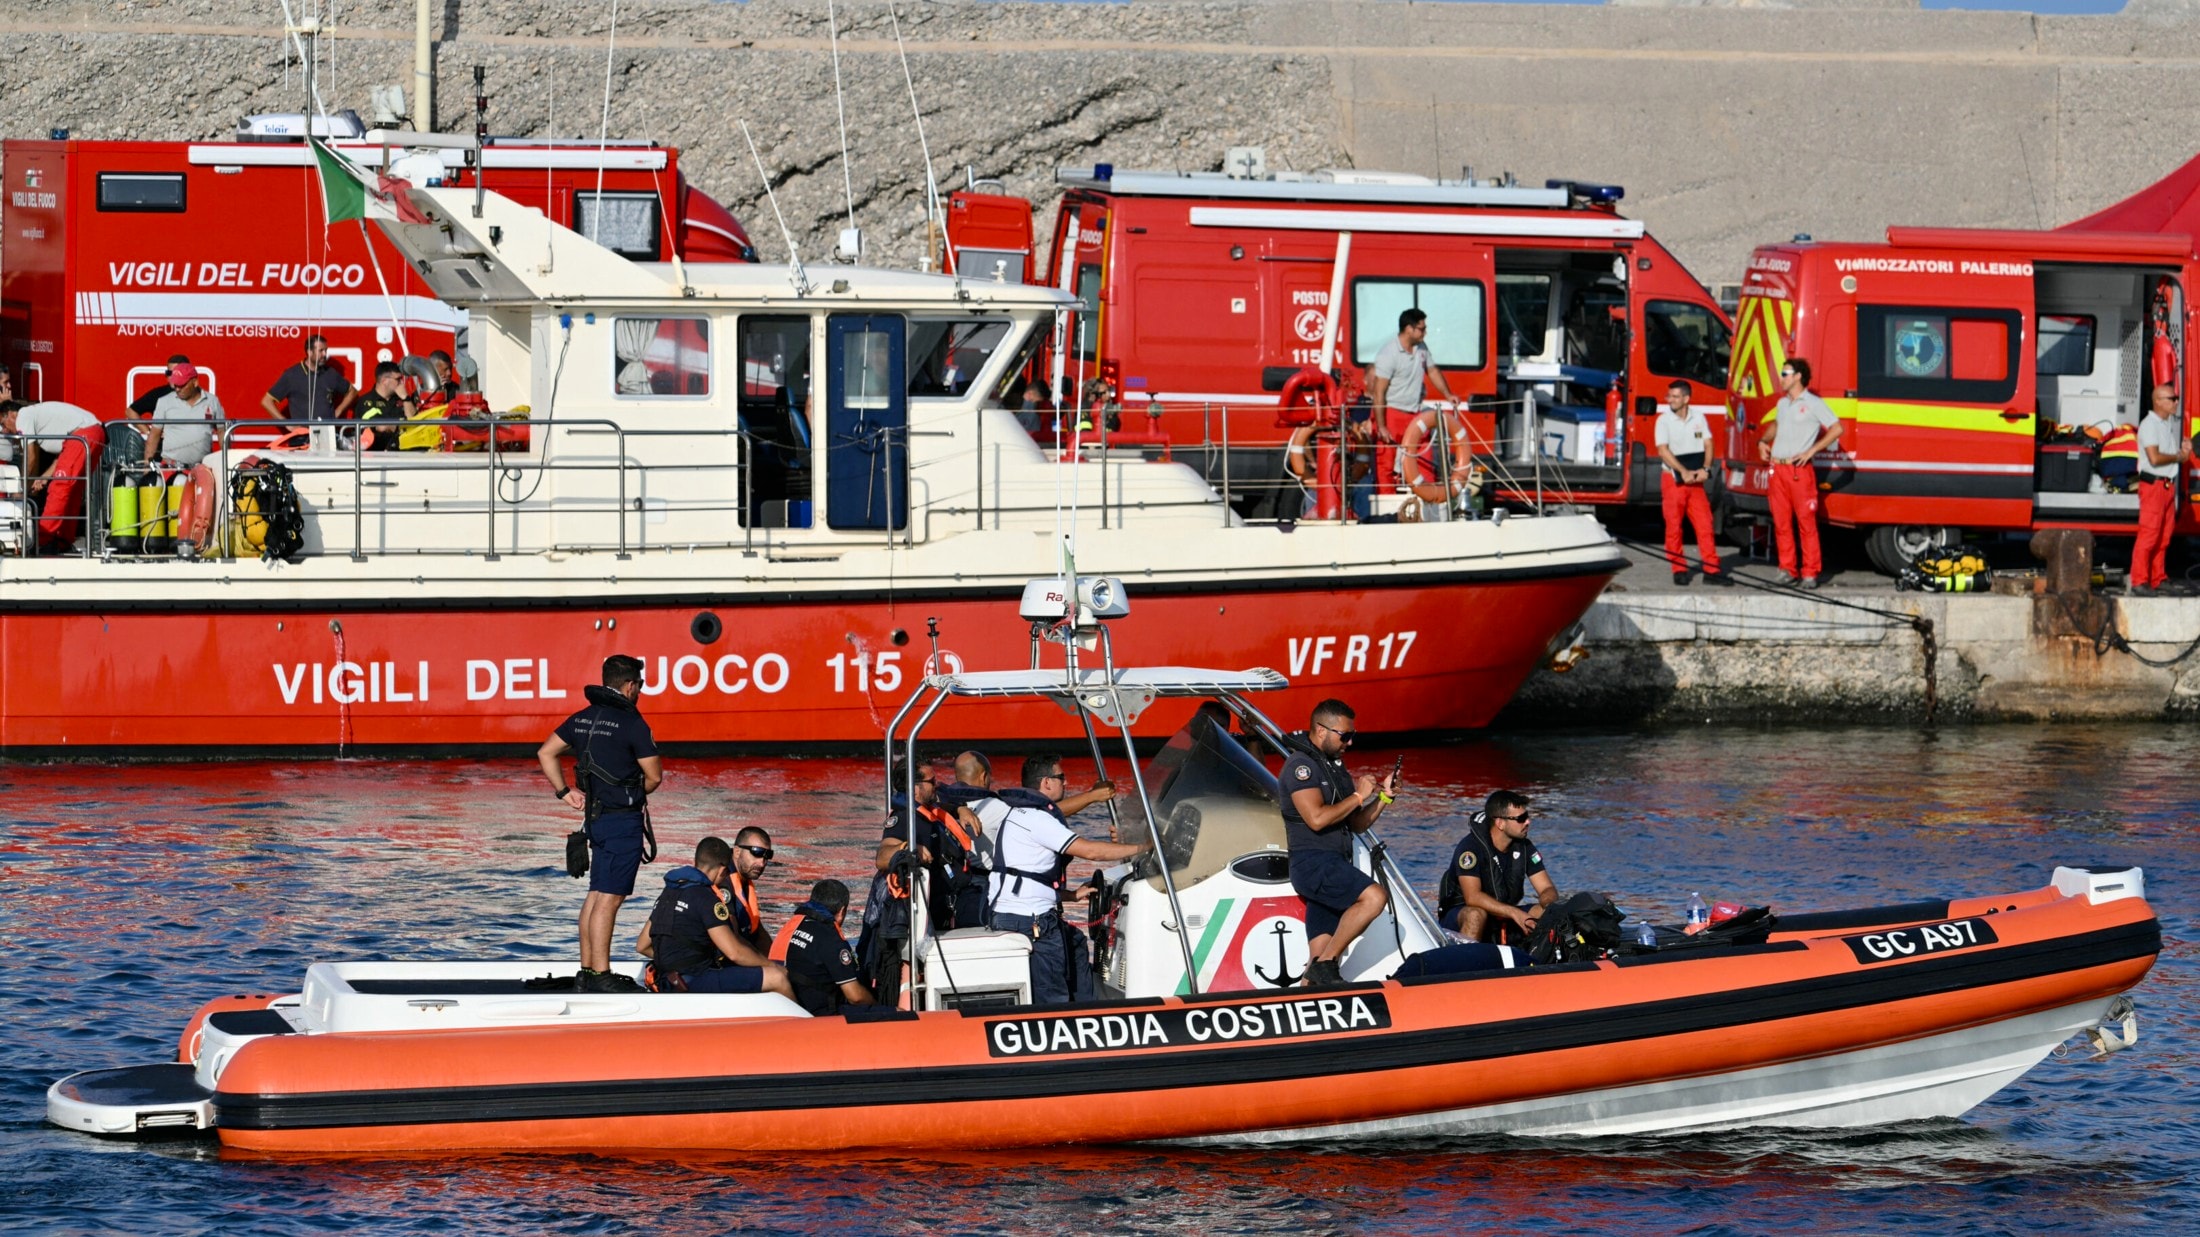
(1202, 763)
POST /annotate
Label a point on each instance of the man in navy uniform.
(818, 960)
(1323, 806)
(1490, 872)
(690, 938)
(616, 768)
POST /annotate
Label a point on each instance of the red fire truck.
(119, 254)
(1973, 370)
(1560, 321)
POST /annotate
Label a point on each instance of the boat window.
(624, 223)
(1964, 356)
(1456, 326)
(661, 357)
(775, 421)
(867, 370)
(2066, 344)
(142, 191)
(946, 356)
(1685, 340)
(1021, 373)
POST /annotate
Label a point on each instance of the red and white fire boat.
(772, 484)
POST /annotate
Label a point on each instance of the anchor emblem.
(1283, 977)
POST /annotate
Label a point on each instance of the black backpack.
(1583, 928)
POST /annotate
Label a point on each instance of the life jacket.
(677, 952)
(596, 779)
(2120, 451)
(747, 923)
(1018, 797)
(785, 940)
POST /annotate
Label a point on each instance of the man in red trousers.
(1801, 427)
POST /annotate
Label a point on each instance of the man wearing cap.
(142, 407)
(185, 419)
(312, 388)
(62, 444)
(1491, 870)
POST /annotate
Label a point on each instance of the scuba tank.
(122, 512)
(152, 503)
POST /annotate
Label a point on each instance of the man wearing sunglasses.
(1323, 806)
(698, 940)
(2163, 454)
(1032, 848)
(1491, 870)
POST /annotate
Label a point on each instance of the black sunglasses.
(1523, 818)
(761, 852)
(1347, 735)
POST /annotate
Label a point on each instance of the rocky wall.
(1731, 124)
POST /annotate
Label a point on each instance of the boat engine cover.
(2100, 885)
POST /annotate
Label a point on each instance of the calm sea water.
(132, 894)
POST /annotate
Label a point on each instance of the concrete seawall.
(1741, 655)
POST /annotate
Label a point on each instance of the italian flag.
(346, 193)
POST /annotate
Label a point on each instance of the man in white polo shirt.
(1032, 846)
(1684, 446)
(1801, 427)
(184, 419)
(2163, 453)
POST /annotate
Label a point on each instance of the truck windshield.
(1685, 340)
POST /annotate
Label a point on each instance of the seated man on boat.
(1032, 847)
(1490, 872)
(1323, 806)
(691, 938)
(819, 962)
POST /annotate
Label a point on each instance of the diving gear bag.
(1580, 929)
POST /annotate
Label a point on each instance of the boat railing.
(619, 517)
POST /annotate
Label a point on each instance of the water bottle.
(1699, 911)
(1645, 935)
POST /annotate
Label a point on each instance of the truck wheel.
(1891, 547)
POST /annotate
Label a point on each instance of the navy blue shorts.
(726, 979)
(1329, 884)
(614, 853)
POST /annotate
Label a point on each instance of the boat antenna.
(794, 256)
(603, 127)
(840, 105)
(932, 214)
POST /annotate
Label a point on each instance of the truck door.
(1944, 406)
(866, 422)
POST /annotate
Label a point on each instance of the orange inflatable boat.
(1830, 1019)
